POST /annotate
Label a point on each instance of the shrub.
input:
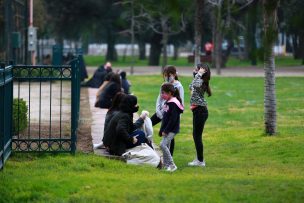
(19, 117)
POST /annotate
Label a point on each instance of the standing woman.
(199, 86)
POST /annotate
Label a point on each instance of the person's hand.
(201, 71)
(164, 134)
(144, 114)
(135, 139)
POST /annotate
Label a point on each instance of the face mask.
(165, 96)
(170, 79)
(135, 109)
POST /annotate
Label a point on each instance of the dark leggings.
(155, 120)
(200, 115)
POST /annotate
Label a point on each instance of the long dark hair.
(116, 101)
(206, 77)
(170, 70)
(116, 78)
(169, 87)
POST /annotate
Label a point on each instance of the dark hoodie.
(121, 125)
(171, 119)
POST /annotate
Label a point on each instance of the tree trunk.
(218, 40)
(301, 45)
(142, 50)
(198, 30)
(111, 51)
(270, 34)
(226, 54)
(296, 50)
(132, 38)
(250, 36)
(165, 43)
(155, 50)
(175, 54)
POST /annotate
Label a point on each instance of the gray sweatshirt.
(160, 102)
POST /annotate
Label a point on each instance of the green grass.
(96, 61)
(243, 164)
(281, 61)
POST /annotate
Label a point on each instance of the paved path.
(98, 118)
(225, 72)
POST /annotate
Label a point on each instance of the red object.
(209, 46)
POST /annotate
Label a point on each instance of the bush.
(22, 114)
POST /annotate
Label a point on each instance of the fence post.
(75, 86)
(2, 66)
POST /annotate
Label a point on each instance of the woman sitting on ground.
(113, 110)
(121, 133)
(106, 96)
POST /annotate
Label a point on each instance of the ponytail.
(169, 87)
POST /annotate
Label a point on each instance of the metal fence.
(6, 99)
(52, 96)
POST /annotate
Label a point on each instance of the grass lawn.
(242, 164)
(96, 61)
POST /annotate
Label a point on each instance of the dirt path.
(84, 138)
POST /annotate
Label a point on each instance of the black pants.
(200, 115)
(156, 120)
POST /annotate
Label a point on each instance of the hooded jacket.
(160, 101)
(171, 118)
(121, 125)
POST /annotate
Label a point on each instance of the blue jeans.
(141, 138)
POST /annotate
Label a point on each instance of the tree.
(251, 25)
(165, 19)
(225, 15)
(198, 27)
(270, 35)
(135, 16)
(293, 19)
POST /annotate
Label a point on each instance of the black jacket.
(171, 119)
(107, 95)
(118, 130)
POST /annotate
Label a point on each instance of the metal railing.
(6, 100)
(52, 96)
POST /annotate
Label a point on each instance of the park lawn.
(242, 163)
(95, 61)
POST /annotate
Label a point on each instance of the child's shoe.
(171, 168)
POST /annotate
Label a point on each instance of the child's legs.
(165, 145)
(172, 144)
(200, 115)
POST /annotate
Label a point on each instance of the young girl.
(198, 87)
(170, 122)
(170, 76)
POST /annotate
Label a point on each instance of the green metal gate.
(52, 97)
(6, 95)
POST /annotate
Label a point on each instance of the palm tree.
(270, 34)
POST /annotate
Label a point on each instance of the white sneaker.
(196, 162)
(98, 146)
(171, 168)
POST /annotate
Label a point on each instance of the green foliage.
(243, 165)
(19, 115)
